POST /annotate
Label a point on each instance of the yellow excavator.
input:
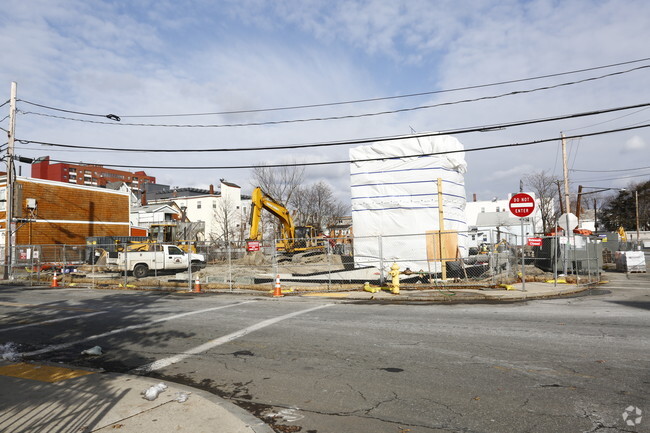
(294, 239)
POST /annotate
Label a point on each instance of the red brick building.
(87, 174)
(47, 212)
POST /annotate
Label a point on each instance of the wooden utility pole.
(9, 190)
(567, 204)
(441, 227)
(579, 204)
(636, 201)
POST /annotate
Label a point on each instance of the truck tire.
(140, 270)
(197, 266)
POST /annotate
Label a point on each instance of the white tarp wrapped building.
(395, 212)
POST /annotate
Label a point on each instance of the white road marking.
(162, 363)
(127, 328)
(47, 322)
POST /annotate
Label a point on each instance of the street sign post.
(522, 205)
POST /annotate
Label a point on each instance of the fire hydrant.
(394, 273)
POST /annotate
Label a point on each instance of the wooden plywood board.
(448, 239)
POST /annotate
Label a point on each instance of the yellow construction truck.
(294, 238)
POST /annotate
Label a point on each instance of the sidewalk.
(49, 399)
(534, 290)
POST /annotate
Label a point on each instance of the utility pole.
(9, 201)
(567, 205)
(636, 200)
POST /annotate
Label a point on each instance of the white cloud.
(634, 144)
(514, 174)
(146, 57)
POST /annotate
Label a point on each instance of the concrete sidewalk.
(534, 290)
(49, 399)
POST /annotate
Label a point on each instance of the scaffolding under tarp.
(395, 202)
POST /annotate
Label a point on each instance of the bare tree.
(280, 183)
(317, 206)
(545, 188)
(227, 219)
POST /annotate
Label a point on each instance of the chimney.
(474, 196)
(211, 189)
(143, 198)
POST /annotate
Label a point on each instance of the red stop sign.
(522, 204)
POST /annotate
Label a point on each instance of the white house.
(490, 221)
(222, 212)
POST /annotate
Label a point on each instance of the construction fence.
(425, 260)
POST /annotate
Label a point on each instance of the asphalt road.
(322, 365)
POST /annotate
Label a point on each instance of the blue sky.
(161, 57)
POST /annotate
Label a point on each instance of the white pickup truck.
(158, 257)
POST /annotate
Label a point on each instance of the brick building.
(49, 212)
(87, 174)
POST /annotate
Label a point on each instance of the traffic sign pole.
(523, 259)
(522, 205)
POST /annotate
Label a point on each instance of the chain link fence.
(425, 260)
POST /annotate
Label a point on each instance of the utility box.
(578, 254)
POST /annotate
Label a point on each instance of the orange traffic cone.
(55, 283)
(278, 288)
(197, 286)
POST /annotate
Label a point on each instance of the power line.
(612, 178)
(347, 161)
(355, 101)
(605, 171)
(606, 121)
(342, 117)
(483, 128)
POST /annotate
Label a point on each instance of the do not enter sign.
(522, 205)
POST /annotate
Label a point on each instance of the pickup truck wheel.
(196, 266)
(140, 270)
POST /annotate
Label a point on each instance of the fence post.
(381, 260)
(554, 257)
(189, 266)
(276, 270)
(587, 246)
(63, 276)
(229, 252)
(126, 265)
(329, 267)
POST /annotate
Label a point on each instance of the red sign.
(253, 246)
(521, 205)
(535, 242)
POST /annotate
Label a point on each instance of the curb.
(251, 421)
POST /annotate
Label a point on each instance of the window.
(175, 251)
(498, 209)
(214, 204)
(198, 204)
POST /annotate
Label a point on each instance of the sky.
(143, 58)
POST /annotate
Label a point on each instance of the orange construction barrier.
(278, 288)
(197, 286)
(55, 283)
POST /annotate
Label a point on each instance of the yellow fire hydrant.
(394, 273)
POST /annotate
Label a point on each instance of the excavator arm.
(259, 201)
